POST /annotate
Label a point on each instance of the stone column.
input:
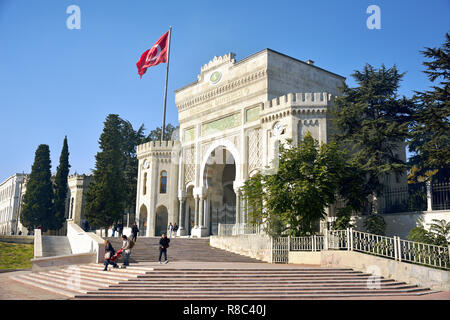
(238, 207)
(201, 210)
(429, 197)
(196, 211)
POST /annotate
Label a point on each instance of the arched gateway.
(230, 119)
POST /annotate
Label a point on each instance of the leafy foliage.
(106, 194)
(430, 138)
(375, 224)
(373, 122)
(38, 208)
(169, 133)
(296, 195)
(438, 234)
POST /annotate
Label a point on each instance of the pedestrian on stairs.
(126, 248)
(134, 231)
(163, 245)
(109, 253)
(170, 228)
(175, 229)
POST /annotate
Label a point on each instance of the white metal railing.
(237, 229)
(311, 243)
(349, 239)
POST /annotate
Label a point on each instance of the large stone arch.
(228, 145)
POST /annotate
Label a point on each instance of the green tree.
(430, 138)
(155, 135)
(294, 198)
(438, 234)
(106, 194)
(372, 121)
(131, 138)
(61, 187)
(38, 207)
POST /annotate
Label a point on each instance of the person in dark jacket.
(134, 231)
(163, 245)
(109, 253)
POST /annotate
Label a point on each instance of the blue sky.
(56, 82)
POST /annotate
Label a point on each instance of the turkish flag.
(155, 55)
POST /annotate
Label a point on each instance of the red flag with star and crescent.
(155, 55)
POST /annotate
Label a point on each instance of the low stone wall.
(46, 263)
(304, 257)
(399, 224)
(252, 245)
(17, 239)
(401, 271)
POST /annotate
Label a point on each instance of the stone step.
(91, 277)
(139, 282)
(30, 280)
(249, 296)
(251, 276)
(67, 282)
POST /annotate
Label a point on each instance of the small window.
(163, 182)
(144, 191)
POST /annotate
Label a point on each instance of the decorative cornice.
(214, 93)
(217, 61)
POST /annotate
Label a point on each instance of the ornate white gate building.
(232, 119)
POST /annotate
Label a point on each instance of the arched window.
(144, 191)
(163, 182)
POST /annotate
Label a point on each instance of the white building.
(11, 192)
(232, 119)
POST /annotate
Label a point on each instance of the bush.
(375, 224)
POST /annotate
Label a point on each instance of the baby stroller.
(116, 255)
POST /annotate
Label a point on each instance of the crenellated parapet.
(291, 104)
(159, 149)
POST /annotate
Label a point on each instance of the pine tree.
(38, 208)
(373, 121)
(106, 194)
(430, 138)
(61, 187)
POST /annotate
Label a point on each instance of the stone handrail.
(37, 243)
(85, 242)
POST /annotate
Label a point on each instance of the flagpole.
(165, 90)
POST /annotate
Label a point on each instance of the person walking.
(163, 245)
(170, 228)
(114, 230)
(134, 231)
(120, 227)
(126, 249)
(175, 229)
(109, 253)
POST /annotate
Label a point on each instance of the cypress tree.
(106, 194)
(61, 187)
(373, 121)
(38, 207)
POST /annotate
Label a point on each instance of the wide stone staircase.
(197, 271)
(181, 249)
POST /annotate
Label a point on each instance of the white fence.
(393, 248)
(349, 239)
(237, 229)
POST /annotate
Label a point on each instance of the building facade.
(231, 122)
(76, 198)
(11, 193)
